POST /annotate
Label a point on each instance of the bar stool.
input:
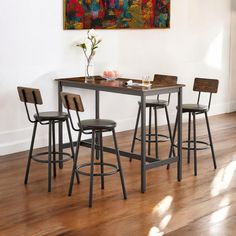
(92, 126)
(155, 104)
(33, 96)
(200, 85)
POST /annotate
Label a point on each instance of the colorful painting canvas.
(116, 14)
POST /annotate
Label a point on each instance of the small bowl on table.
(110, 75)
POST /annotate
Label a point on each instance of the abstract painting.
(116, 14)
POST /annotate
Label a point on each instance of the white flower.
(92, 33)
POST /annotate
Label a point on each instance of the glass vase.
(89, 71)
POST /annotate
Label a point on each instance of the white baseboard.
(19, 140)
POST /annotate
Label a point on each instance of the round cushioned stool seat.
(98, 124)
(51, 115)
(155, 102)
(194, 108)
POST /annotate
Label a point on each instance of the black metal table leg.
(97, 115)
(60, 126)
(143, 144)
(179, 169)
(149, 131)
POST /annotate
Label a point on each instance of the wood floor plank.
(202, 205)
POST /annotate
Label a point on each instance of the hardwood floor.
(202, 205)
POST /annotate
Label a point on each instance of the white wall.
(35, 50)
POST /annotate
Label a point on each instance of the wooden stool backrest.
(203, 85)
(72, 101)
(30, 95)
(165, 80)
(206, 85)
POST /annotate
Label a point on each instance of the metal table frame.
(147, 162)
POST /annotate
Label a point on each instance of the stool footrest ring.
(205, 145)
(34, 157)
(114, 171)
(164, 138)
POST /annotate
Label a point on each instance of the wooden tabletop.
(119, 85)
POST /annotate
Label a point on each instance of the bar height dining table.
(120, 86)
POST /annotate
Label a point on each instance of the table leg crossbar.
(151, 162)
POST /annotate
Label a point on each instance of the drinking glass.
(146, 80)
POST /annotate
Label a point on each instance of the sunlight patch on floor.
(223, 179)
(220, 215)
(163, 206)
(155, 231)
(161, 209)
(165, 221)
(224, 202)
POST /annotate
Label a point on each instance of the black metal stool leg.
(30, 153)
(101, 160)
(49, 155)
(97, 143)
(150, 131)
(210, 139)
(169, 128)
(135, 130)
(119, 164)
(54, 149)
(189, 136)
(74, 164)
(72, 148)
(61, 144)
(195, 144)
(173, 140)
(91, 170)
(156, 132)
